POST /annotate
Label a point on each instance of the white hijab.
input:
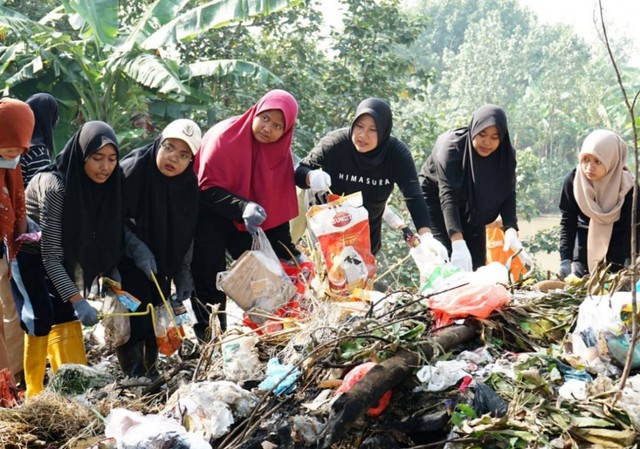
(602, 200)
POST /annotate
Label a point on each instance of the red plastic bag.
(353, 377)
(478, 300)
(342, 229)
(9, 395)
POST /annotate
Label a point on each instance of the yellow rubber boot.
(66, 345)
(35, 363)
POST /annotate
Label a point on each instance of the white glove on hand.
(460, 255)
(511, 240)
(525, 258)
(319, 181)
(429, 243)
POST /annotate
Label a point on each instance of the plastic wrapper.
(133, 430)
(257, 282)
(117, 328)
(168, 336)
(342, 229)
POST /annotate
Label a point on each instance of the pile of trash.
(466, 360)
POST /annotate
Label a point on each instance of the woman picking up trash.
(467, 181)
(161, 209)
(16, 125)
(77, 202)
(366, 158)
(246, 181)
(596, 202)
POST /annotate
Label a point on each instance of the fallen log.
(352, 404)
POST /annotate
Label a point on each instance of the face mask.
(9, 163)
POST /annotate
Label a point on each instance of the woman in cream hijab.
(596, 206)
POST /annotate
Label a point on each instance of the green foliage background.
(434, 61)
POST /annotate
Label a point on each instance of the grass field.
(546, 261)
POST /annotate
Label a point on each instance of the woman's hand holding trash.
(460, 255)
(254, 215)
(430, 244)
(319, 181)
(87, 315)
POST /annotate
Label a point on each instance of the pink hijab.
(602, 200)
(231, 158)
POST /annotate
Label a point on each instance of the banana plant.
(104, 70)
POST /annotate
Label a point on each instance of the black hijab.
(161, 210)
(92, 218)
(45, 110)
(381, 113)
(496, 171)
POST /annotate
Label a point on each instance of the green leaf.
(159, 13)
(100, 16)
(212, 15)
(586, 421)
(467, 410)
(234, 67)
(153, 72)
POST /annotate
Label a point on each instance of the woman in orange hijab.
(16, 126)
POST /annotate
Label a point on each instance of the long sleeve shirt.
(334, 155)
(45, 202)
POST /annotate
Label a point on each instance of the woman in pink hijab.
(246, 180)
(596, 205)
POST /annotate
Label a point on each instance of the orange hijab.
(16, 127)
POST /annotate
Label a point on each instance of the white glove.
(319, 181)
(511, 240)
(460, 255)
(525, 258)
(429, 243)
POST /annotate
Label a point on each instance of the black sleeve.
(508, 212)
(314, 160)
(569, 219)
(223, 202)
(448, 165)
(406, 177)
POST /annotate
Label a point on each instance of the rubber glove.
(565, 268)
(511, 240)
(460, 255)
(525, 258)
(429, 243)
(254, 215)
(87, 315)
(184, 284)
(319, 181)
(137, 250)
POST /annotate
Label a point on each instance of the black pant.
(37, 302)
(213, 238)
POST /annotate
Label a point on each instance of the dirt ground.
(547, 261)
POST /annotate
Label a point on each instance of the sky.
(579, 14)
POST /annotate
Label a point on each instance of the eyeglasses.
(183, 156)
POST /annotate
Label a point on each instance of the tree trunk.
(368, 391)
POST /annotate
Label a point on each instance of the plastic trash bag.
(133, 430)
(282, 377)
(168, 336)
(342, 229)
(257, 281)
(117, 328)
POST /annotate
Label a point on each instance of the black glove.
(254, 215)
(87, 315)
(140, 253)
(184, 284)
